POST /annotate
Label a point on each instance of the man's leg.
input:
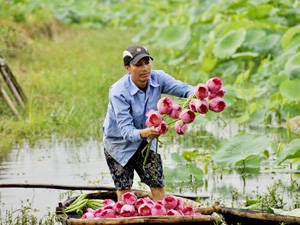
(121, 192)
(157, 193)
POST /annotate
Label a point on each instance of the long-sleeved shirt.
(127, 107)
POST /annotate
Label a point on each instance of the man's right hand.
(150, 132)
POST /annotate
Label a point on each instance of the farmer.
(125, 133)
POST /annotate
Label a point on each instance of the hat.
(134, 54)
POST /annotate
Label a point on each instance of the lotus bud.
(173, 212)
(187, 116)
(169, 201)
(201, 91)
(127, 210)
(188, 211)
(145, 209)
(118, 206)
(180, 204)
(220, 93)
(162, 127)
(214, 84)
(88, 215)
(201, 106)
(164, 105)
(107, 213)
(158, 210)
(139, 202)
(175, 112)
(180, 127)
(217, 104)
(154, 118)
(129, 198)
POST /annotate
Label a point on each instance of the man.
(125, 132)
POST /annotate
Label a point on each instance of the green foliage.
(252, 45)
(26, 215)
(290, 151)
(183, 174)
(242, 151)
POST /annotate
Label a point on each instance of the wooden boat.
(211, 215)
(257, 217)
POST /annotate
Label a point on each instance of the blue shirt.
(127, 107)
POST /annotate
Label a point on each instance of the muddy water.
(66, 163)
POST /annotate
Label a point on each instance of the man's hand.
(150, 132)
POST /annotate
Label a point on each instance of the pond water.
(68, 163)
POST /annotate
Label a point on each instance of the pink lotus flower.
(192, 105)
(198, 214)
(162, 127)
(107, 213)
(118, 206)
(201, 106)
(180, 204)
(158, 210)
(173, 212)
(217, 104)
(164, 105)
(88, 215)
(154, 118)
(145, 209)
(139, 202)
(159, 202)
(214, 84)
(188, 211)
(127, 210)
(129, 198)
(169, 201)
(97, 212)
(180, 127)
(220, 93)
(201, 91)
(108, 204)
(187, 116)
(149, 201)
(90, 210)
(175, 112)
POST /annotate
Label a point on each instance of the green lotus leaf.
(290, 89)
(240, 148)
(293, 72)
(252, 36)
(289, 35)
(293, 61)
(183, 175)
(173, 37)
(290, 151)
(228, 45)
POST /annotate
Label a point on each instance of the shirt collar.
(134, 89)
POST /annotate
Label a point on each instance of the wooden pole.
(11, 82)
(70, 187)
(9, 102)
(54, 186)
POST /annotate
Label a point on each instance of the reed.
(66, 79)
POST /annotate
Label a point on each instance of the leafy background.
(253, 45)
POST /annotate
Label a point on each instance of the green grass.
(66, 80)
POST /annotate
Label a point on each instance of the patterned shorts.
(152, 175)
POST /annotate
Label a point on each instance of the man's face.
(140, 72)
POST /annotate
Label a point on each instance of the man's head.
(134, 53)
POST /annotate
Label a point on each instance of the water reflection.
(69, 163)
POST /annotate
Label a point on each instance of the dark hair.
(127, 60)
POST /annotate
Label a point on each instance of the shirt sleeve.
(124, 119)
(174, 87)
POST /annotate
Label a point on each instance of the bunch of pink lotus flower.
(130, 205)
(206, 97)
